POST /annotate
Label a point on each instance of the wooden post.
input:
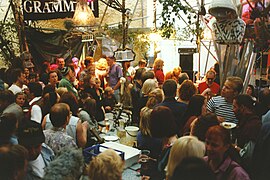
(155, 15)
(124, 23)
(20, 25)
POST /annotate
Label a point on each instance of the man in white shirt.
(18, 79)
(35, 92)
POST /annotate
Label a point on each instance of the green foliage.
(8, 31)
(141, 45)
(172, 10)
(136, 40)
(114, 32)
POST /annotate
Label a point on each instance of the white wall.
(3, 8)
(169, 53)
(169, 48)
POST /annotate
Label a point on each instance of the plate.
(228, 125)
(111, 138)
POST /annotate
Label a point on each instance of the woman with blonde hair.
(158, 70)
(186, 146)
(106, 165)
(144, 139)
(174, 74)
(155, 97)
(148, 86)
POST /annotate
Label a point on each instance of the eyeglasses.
(210, 79)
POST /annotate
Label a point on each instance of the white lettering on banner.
(28, 10)
(37, 5)
(57, 7)
(67, 6)
(50, 9)
(46, 8)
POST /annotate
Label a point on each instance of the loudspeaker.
(186, 63)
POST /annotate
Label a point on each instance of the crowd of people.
(188, 128)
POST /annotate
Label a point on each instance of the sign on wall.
(52, 9)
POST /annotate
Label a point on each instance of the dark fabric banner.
(49, 46)
(52, 9)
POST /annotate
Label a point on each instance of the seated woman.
(200, 126)
(195, 108)
(192, 168)
(144, 139)
(186, 146)
(163, 125)
(87, 113)
(148, 86)
(109, 100)
(106, 165)
(221, 155)
(93, 88)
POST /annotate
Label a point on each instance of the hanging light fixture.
(83, 15)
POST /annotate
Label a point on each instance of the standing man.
(18, 79)
(60, 66)
(53, 78)
(61, 63)
(222, 105)
(209, 87)
(115, 73)
(141, 64)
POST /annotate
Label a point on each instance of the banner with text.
(53, 9)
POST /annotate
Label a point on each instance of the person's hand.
(108, 108)
(207, 92)
(145, 177)
(238, 149)
(130, 86)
